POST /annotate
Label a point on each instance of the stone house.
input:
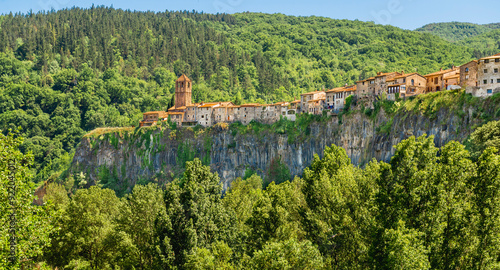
(406, 85)
(176, 117)
(247, 112)
(365, 87)
(221, 112)
(488, 78)
(468, 74)
(307, 97)
(375, 86)
(437, 81)
(191, 114)
(316, 106)
(294, 105)
(335, 98)
(151, 118)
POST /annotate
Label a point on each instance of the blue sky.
(407, 14)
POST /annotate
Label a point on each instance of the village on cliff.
(481, 78)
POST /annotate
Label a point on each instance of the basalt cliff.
(158, 153)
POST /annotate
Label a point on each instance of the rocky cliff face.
(159, 154)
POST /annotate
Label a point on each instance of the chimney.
(441, 69)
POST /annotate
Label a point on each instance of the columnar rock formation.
(158, 153)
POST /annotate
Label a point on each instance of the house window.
(498, 80)
(485, 81)
(412, 82)
(485, 71)
(491, 80)
(489, 91)
(497, 60)
(466, 69)
(466, 77)
(486, 61)
(495, 70)
(404, 80)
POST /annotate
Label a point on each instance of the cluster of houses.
(481, 78)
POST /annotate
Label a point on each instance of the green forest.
(458, 31)
(65, 73)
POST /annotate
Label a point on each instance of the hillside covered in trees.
(65, 73)
(458, 31)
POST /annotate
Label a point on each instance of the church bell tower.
(182, 91)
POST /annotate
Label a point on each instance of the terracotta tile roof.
(496, 56)
(295, 101)
(209, 105)
(316, 100)
(453, 77)
(175, 113)
(385, 74)
(183, 78)
(343, 89)
(312, 93)
(179, 108)
(440, 72)
(336, 89)
(154, 112)
(251, 105)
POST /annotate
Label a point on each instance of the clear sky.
(408, 14)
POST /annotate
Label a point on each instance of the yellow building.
(439, 80)
(406, 85)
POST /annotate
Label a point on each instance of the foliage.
(195, 216)
(485, 136)
(457, 31)
(137, 220)
(287, 254)
(339, 197)
(32, 224)
(405, 249)
(278, 172)
(86, 232)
